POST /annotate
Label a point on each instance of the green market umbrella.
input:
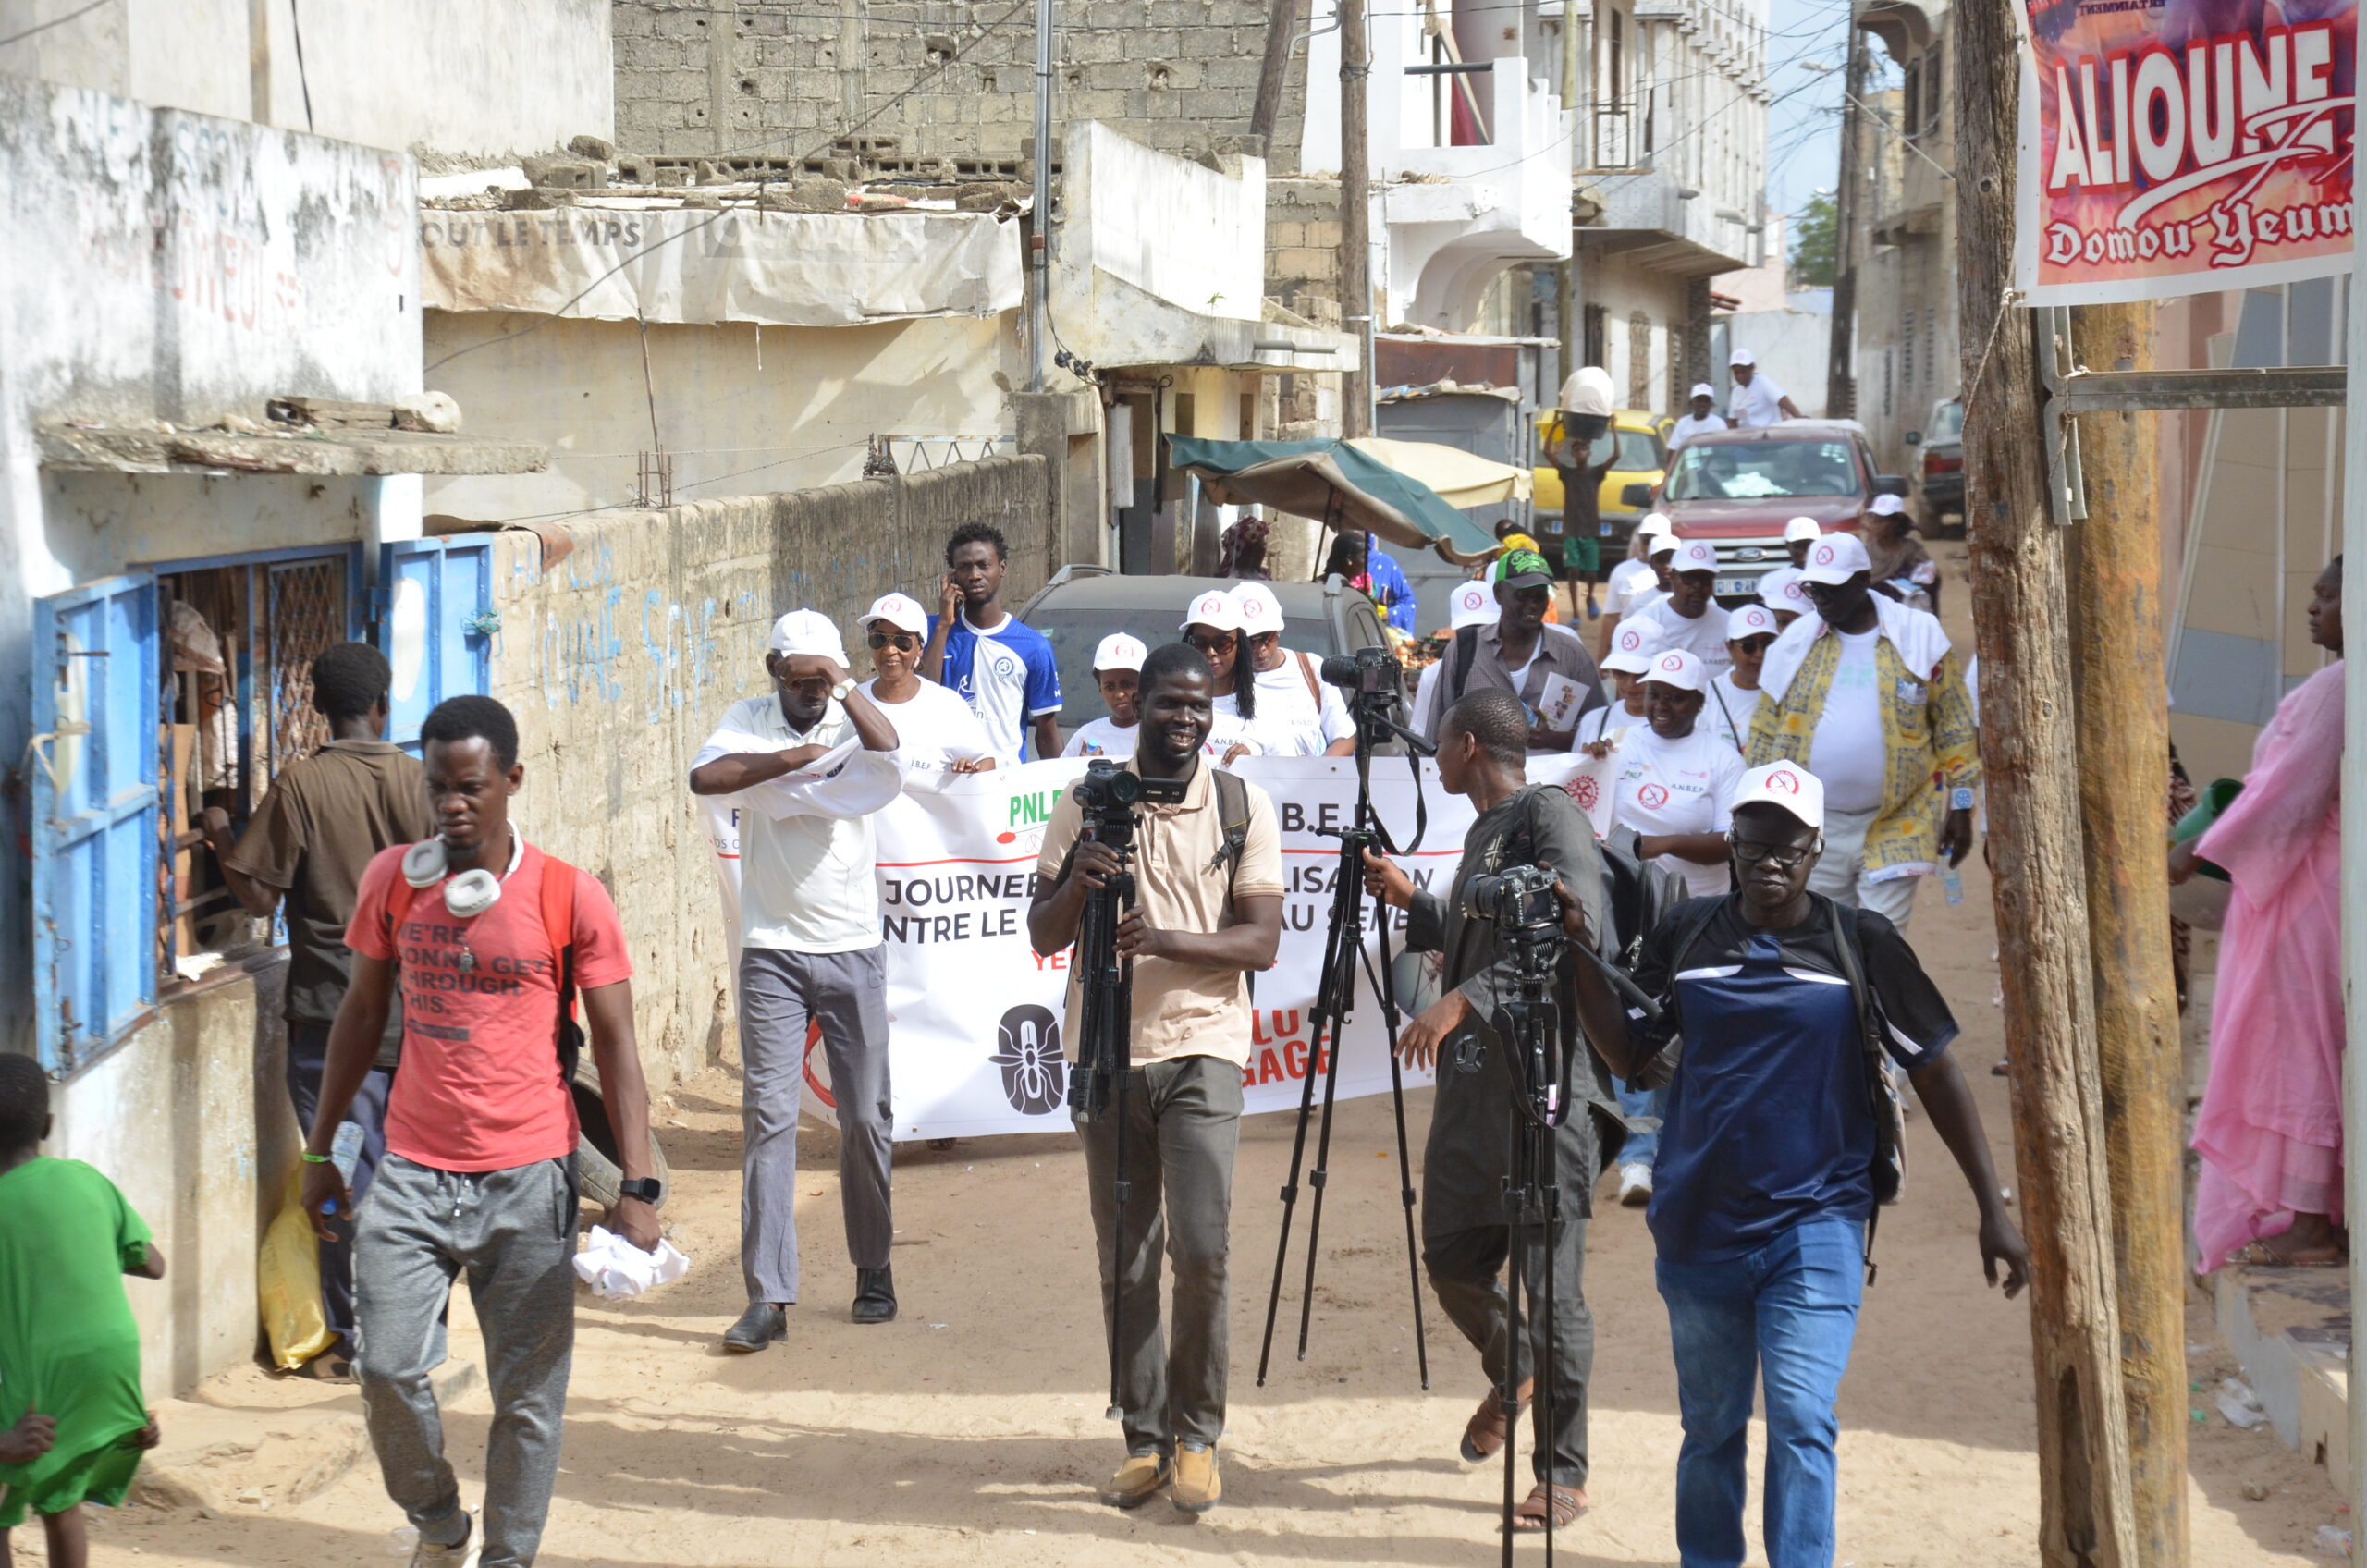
(1338, 486)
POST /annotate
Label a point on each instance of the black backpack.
(1888, 1173)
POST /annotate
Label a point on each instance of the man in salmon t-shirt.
(481, 1132)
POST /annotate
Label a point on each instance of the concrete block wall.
(1178, 75)
(619, 659)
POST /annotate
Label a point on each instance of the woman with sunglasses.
(938, 734)
(1213, 626)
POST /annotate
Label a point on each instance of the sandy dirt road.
(970, 1431)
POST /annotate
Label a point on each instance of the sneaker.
(758, 1327)
(1137, 1480)
(426, 1554)
(1635, 1185)
(1197, 1485)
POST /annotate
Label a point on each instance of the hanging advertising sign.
(2178, 148)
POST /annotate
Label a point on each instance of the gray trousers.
(1183, 1124)
(514, 1233)
(781, 994)
(1466, 1271)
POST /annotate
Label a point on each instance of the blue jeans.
(308, 1050)
(1640, 1147)
(1790, 1307)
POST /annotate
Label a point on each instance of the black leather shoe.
(758, 1327)
(875, 1295)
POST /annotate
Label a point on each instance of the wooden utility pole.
(2030, 761)
(2116, 662)
(1282, 16)
(1355, 215)
(1848, 213)
(1566, 290)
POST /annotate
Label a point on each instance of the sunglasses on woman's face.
(1219, 642)
(903, 641)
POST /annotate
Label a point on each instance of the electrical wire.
(54, 21)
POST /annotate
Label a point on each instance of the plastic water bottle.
(1951, 883)
(346, 1153)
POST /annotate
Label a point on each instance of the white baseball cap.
(1887, 505)
(1216, 608)
(1260, 611)
(1118, 651)
(1743, 357)
(1786, 784)
(1837, 558)
(899, 610)
(1633, 645)
(1780, 591)
(1750, 621)
(1694, 555)
(1801, 528)
(1675, 667)
(1663, 541)
(1656, 522)
(807, 631)
(1474, 604)
(1702, 390)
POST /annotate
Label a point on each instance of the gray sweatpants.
(1183, 1126)
(781, 994)
(514, 1232)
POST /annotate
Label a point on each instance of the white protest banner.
(975, 1016)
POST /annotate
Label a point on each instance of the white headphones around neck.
(471, 893)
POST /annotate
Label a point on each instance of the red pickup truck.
(1737, 488)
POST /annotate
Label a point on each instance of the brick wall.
(1178, 75)
(619, 658)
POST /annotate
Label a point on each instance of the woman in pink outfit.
(2270, 1131)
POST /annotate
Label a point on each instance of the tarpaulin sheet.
(694, 265)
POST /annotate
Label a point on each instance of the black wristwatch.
(647, 1189)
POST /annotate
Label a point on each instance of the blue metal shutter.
(435, 625)
(95, 805)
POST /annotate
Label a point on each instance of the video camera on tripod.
(1106, 798)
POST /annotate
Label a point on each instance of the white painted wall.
(743, 409)
(473, 76)
(1175, 229)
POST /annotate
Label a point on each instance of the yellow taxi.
(1639, 440)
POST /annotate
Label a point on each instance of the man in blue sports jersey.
(1777, 1141)
(1003, 670)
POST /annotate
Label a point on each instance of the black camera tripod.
(1335, 993)
(1098, 1084)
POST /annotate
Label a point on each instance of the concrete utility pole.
(1567, 293)
(1355, 215)
(2124, 722)
(1841, 368)
(1282, 16)
(1039, 220)
(2030, 759)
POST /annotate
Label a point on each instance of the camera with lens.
(1517, 900)
(1369, 675)
(1107, 795)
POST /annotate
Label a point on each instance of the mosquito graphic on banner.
(974, 1014)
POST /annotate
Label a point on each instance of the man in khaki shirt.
(1206, 913)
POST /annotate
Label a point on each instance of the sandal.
(1569, 1504)
(1484, 1434)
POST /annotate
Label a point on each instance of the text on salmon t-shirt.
(479, 1088)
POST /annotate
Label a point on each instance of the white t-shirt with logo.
(807, 884)
(933, 727)
(1596, 723)
(1291, 720)
(1103, 738)
(1847, 752)
(1759, 405)
(1683, 786)
(1727, 708)
(1704, 636)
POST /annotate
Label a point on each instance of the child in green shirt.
(72, 1426)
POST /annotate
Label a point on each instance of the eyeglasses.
(1223, 642)
(903, 641)
(1783, 856)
